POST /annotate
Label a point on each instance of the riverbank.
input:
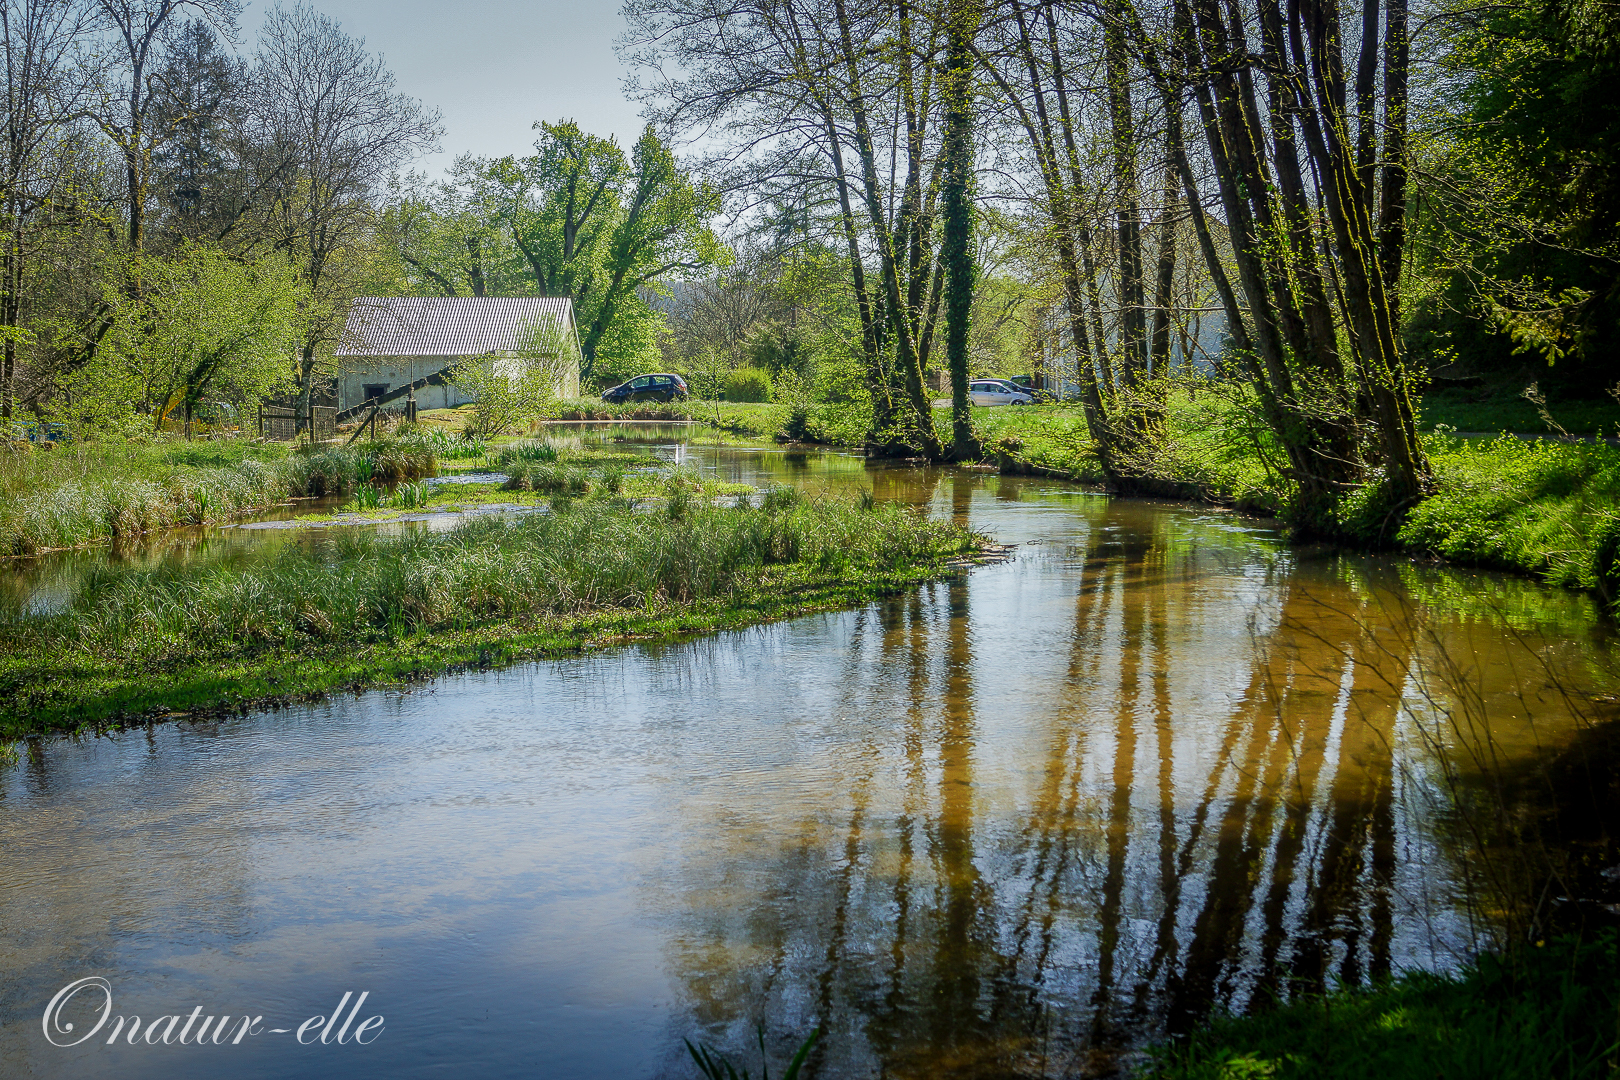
(365, 609)
(90, 493)
(1550, 1010)
(1548, 509)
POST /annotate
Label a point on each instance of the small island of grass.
(363, 609)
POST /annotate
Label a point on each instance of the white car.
(986, 392)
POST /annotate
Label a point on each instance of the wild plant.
(364, 587)
(409, 496)
(523, 452)
(716, 1066)
(365, 497)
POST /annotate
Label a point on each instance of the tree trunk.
(956, 248)
(1128, 209)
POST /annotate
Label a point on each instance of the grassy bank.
(364, 609)
(1549, 509)
(93, 492)
(1548, 1011)
(835, 425)
(1503, 408)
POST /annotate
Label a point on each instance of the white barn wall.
(355, 372)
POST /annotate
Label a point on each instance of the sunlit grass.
(1549, 1010)
(134, 639)
(96, 492)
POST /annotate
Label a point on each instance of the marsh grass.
(445, 446)
(100, 492)
(574, 479)
(523, 453)
(561, 576)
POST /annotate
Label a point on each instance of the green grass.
(1496, 411)
(1547, 1012)
(1203, 451)
(364, 609)
(94, 492)
(1533, 507)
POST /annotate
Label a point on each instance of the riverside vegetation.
(106, 490)
(1543, 507)
(1551, 1009)
(363, 609)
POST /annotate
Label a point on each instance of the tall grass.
(363, 587)
(445, 446)
(523, 453)
(566, 478)
(121, 490)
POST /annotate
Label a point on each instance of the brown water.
(1005, 825)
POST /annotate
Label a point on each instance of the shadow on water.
(1012, 823)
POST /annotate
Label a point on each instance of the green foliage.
(200, 327)
(577, 218)
(512, 391)
(749, 384)
(109, 490)
(563, 478)
(1491, 410)
(445, 446)
(369, 587)
(1547, 1011)
(1524, 211)
(1528, 506)
(365, 497)
(523, 452)
(629, 344)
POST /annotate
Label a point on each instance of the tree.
(578, 219)
(43, 94)
(835, 103)
(199, 177)
(331, 107)
(1520, 225)
(956, 252)
(511, 390)
(129, 93)
(206, 327)
(450, 236)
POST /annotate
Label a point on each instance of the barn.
(394, 346)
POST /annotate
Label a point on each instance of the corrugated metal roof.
(446, 325)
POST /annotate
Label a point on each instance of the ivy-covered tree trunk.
(957, 197)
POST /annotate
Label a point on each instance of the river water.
(1010, 824)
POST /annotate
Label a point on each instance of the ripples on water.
(1005, 825)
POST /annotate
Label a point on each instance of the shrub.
(748, 384)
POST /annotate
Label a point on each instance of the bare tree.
(129, 94)
(837, 101)
(330, 110)
(43, 96)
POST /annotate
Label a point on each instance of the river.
(1013, 823)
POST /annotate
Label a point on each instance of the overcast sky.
(493, 67)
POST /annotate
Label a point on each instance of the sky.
(493, 67)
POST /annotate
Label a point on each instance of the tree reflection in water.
(1211, 790)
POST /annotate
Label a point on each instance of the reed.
(523, 453)
(563, 478)
(596, 560)
(114, 492)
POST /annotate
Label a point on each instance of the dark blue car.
(648, 388)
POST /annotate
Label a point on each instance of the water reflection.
(1007, 824)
